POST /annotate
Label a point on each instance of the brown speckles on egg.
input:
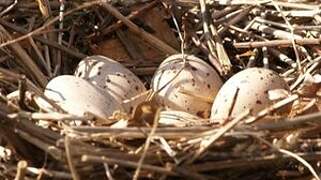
(131, 109)
(196, 78)
(252, 95)
(193, 82)
(105, 72)
(193, 68)
(201, 114)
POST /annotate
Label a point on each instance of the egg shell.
(254, 85)
(177, 118)
(112, 77)
(198, 78)
(77, 96)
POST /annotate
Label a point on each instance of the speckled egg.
(112, 77)
(254, 85)
(192, 90)
(77, 96)
(178, 119)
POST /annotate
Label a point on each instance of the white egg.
(77, 96)
(254, 85)
(193, 90)
(178, 118)
(112, 77)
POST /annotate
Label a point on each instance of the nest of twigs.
(43, 39)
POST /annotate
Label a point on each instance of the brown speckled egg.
(253, 84)
(193, 90)
(112, 77)
(77, 96)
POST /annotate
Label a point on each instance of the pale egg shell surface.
(177, 118)
(193, 90)
(112, 77)
(254, 85)
(77, 96)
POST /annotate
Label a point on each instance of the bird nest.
(44, 39)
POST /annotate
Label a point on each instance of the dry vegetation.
(45, 38)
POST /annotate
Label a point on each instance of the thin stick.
(152, 40)
(272, 108)
(102, 159)
(49, 23)
(40, 56)
(71, 165)
(26, 60)
(51, 173)
(279, 43)
(235, 19)
(231, 108)
(147, 144)
(21, 170)
(291, 123)
(301, 160)
(210, 31)
(269, 3)
(108, 173)
(60, 35)
(292, 38)
(43, 40)
(291, 154)
(316, 63)
(131, 16)
(208, 141)
(9, 8)
(50, 116)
